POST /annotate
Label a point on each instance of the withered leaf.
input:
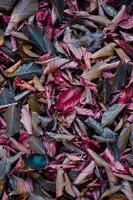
(105, 51)
(124, 138)
(102, 20)
(110, 191)
(34, 105)
(109, 116)
(26, 119)
(60, 182)
(68, 186)
(99, 161)
(12, 118)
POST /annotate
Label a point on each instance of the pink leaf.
(26, 119)
(87, 172)
(68, 99)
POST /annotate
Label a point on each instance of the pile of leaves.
(66, 99)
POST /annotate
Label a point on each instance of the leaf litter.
(66, 99)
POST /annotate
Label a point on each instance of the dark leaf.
(110, 191)
(121, 75)
(20, 185)
(12, 118)
(124, 138)
(4, 167)
(27, 70)
(106, 92)
(106, 133)
(7, 4)
(34, 196)
(59, 8)
(94, 124)
(111, 114)
(6, 97)
(34, 105)
(69, 147)
(35, 161)
(131, 138)
(41, 40)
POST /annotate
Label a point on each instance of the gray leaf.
(12, 118)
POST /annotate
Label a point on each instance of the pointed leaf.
(68, 99)
(111, 114)
(86, 172)
(59, 8)
(27, 70)
(4, 167)
(37, 36)
(6, 97)
(60, 182)
(26, 119)
(12, 118)
(99, 161)
(124, 138)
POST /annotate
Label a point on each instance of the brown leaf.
(102, 20)
(110, 191)
(60, 182)
(27, 50)
(37, 84)
(68, 186)
(105, 51)
(99, 161)
(124, 138)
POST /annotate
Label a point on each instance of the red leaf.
(68, 99)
